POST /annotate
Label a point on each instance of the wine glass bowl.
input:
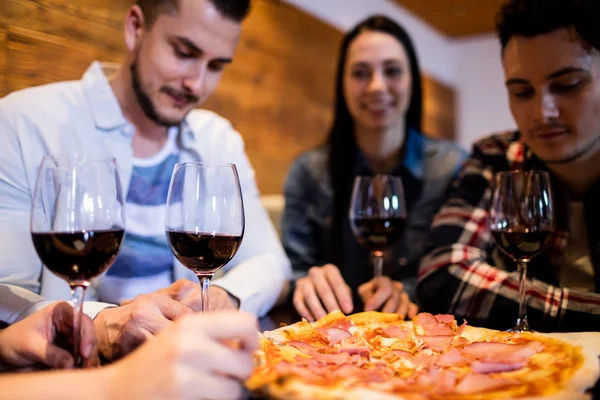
(205, 219)
(521, 222)
(77, 257)
(203, 253)
(77, 222)
(377, 214)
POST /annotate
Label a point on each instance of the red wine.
(522, 245)
(78, 256)
(203, 253)
(377, 234)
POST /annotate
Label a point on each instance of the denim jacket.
(430, 164)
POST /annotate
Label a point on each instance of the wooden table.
(280, 315)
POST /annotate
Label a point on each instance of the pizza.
(373, 355)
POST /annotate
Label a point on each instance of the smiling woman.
(376, 130)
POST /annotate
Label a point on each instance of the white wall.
(471, 65)
(482, 100)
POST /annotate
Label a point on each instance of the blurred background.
(279, 91)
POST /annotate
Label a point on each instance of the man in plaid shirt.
(551, 59)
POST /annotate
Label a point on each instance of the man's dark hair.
(530, 18)
(235, 10)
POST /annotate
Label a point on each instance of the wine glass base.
(521, 326)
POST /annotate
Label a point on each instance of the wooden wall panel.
(2, 58)
(279, 89)
(456, 18)
(97, 22)
(51, 40)
(439, 109)
(33, 62)
(278, 92)
(2, 47)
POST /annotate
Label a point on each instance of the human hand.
(322, 285)
(387, 295)
(190, 360)
(219, 299)
(121, 329)
(37, 340)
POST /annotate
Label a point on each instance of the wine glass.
(522, 223)
(377, 214)
(205, 218)
(77, 223)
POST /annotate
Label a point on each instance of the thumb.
(58, 358)
(381, 289)
(366, 290)
(88, 337)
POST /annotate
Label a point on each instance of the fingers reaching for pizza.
(322, 291)
(382, 293)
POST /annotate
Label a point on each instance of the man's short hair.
(530, 18)
(235, 10)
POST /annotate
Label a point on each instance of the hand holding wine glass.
(77, 223)
(377, 214)
(522, 223)
(205, 218)
(36, 341)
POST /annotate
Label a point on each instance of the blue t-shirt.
(145, 263)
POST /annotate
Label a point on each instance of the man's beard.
(576, 155)
(145, 101)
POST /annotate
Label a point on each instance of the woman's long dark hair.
(342, 138)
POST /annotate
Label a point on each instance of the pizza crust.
(586, 376)
(296, 389)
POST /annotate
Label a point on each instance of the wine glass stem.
(522, 324)
(377, 263)
(205, 284)
(78, 293)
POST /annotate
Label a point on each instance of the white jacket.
(85, 117)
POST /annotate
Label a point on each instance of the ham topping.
(435, 343)
(395, 332)
(432, 326)
(423, 359)
(461, 328)
(333, 335)
(395, 355)
(475, 383)
(346, 356)
(443, 380)
(302, 346)
(360, 351)
(460, 342)
(401, 353)
(453, 358)
(493, 367)
(354, 355)
(336, 358)
(308, 372)
(446, 318)
(345, 324)
(505, 353)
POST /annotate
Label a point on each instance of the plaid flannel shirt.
(463, 273)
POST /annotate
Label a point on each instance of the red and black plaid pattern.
(465, 275)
